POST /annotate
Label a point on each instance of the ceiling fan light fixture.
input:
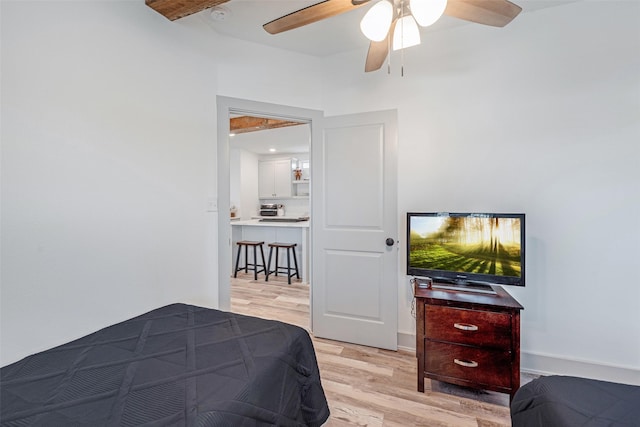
(406, 33)
(427, 12)
(376, 22)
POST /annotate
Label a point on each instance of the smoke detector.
(220, 13)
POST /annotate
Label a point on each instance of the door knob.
(390, 241)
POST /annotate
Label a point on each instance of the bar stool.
(291, 248)
(250, 266)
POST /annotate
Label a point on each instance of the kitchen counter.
(257, 222)
(271, 232)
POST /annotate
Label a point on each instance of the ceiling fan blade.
(496, 13)
(377, 54)
(311, 14)
(378, 51)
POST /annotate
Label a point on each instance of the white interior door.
(354, 212)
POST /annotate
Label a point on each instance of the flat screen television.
(468, 251)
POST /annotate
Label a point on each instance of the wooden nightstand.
(469, 339)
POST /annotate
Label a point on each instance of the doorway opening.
(270, 119)
(269, 156)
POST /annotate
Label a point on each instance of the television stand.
(468, 339)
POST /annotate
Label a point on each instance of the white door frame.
(226, 105)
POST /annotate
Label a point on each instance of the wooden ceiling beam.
(245, 124)
(176, 9)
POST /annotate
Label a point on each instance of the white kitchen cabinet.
(274, 179)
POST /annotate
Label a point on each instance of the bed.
(179, 365)
(570, 401)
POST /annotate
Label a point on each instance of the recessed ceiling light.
(273, 150)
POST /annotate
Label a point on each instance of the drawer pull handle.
(465, 327)
(466, 363)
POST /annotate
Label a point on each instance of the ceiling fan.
(393, 22)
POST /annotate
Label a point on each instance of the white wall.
(109, 160)
(244, 183)
(540, 117)
(107, 157)
(260, 73)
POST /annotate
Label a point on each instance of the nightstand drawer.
(479, 366)
(473, 327)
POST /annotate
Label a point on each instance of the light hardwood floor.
(367, 386)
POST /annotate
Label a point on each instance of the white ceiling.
(291, 140)
(330, 36)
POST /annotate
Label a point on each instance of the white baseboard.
(546, 364)
(406, 341)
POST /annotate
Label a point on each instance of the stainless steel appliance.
(269, 209)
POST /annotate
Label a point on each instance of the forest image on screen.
(482, 245)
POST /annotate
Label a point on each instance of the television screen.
(466, 247)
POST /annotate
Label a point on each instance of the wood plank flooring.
(367, 386)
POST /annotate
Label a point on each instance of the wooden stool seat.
(291, 248)
(255, 266)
